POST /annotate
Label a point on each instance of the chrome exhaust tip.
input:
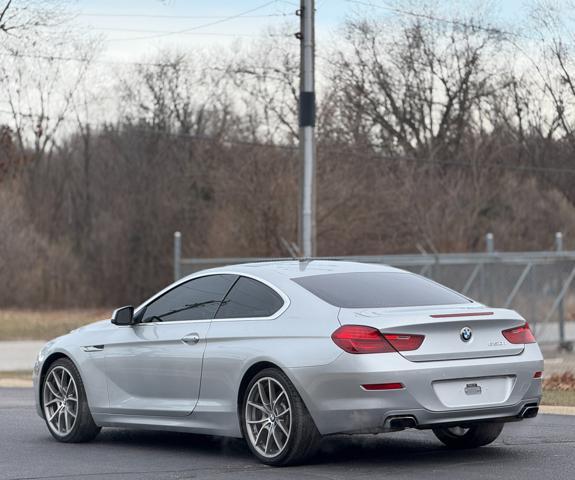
(400, 422)
(529, 411)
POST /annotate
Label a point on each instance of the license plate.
(472, 392)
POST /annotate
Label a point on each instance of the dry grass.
(17, 375)
(44, 325)
(558, 397)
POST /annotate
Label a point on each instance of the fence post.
(489, 243)
(177, 256)
(561, 307)
(487, 285)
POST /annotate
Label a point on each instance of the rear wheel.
(275, 422)
(65, 406)
(469, 437)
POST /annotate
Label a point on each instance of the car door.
(155, 366)
(241, 330)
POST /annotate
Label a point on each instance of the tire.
(62, 396)
(268, 427)
(469, 437)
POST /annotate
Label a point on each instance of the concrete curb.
(556, 410)
(15, 383)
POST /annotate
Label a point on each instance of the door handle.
(191, 339)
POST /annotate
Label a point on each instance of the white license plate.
(470, 392)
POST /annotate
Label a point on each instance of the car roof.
(275, 270)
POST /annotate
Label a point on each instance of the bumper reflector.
(383, 386)
(537, 374)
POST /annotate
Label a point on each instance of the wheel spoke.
(71, 413)
(268, 440)
(270, 394)
(277, 399)
(56, 412)
(255, 422)
(262, 396)
(276, 440)
(54, 400)
(60, 419)
(283, 429)
(283, 413)
(66, 420)
(52, 391)
(259, 434)
(58, 384)
(259, 407)
(62, 382)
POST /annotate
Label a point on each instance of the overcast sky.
(135, 28)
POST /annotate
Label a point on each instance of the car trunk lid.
(445, 329)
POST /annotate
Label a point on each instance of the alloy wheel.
(268, 417)
(60, 401)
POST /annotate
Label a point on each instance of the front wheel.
(65, 406)
(275, 422)
(469, 437)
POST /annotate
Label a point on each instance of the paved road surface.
(539, 449)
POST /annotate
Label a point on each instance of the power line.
(63, 58)
(176, 17)
(427, 16)
(197, 27)
(217, 34)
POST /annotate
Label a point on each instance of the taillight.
(522, 334)
(404, 343)
(361, 339)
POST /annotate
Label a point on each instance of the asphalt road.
(539, 449)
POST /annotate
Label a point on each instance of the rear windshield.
(378, 290)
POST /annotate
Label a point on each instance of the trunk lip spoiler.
(463, 314)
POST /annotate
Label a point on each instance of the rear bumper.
(338, 404)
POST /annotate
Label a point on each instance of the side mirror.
(123, 316)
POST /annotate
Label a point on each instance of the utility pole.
(307, 128)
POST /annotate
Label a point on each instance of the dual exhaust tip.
(408, 421)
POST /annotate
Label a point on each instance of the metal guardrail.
(537, 284)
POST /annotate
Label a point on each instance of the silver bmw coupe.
(282, 353)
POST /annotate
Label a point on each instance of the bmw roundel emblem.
(466, 334)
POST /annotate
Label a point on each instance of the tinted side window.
(250, 298)
(378, 290)
(197, 299)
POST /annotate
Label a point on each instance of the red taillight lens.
(404, 343)
(361, 339)
(522, 334)
(538, 375)
(383, 386)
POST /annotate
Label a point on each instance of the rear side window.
(249, 298)
(378, 290)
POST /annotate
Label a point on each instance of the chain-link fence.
(539, 285)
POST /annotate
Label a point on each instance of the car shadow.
(397, 449)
